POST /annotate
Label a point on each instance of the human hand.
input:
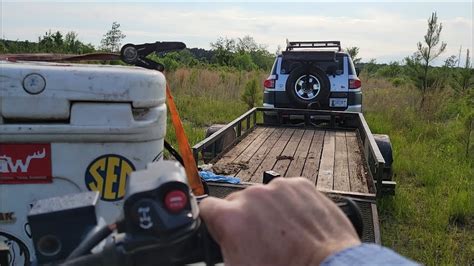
(286, 222)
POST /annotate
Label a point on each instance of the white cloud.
(378, 33)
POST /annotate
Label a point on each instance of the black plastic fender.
(226, 139)
(385, 147)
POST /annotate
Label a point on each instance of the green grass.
(431, 217)
(205, 97)
(198, 113)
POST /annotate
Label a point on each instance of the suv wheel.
(308, 86)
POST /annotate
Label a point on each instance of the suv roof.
(290, 46)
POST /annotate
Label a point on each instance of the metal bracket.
(135, 54)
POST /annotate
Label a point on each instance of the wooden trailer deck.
(340, 157)
(332, 159)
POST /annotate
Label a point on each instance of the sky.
(383, 30)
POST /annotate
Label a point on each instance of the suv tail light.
(355, 83)
(269, 84)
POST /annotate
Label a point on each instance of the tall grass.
(431, 217)
(205, 97)
(212, 84)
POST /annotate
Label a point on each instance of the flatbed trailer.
(338, 154)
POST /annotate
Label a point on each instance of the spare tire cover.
(308, 87)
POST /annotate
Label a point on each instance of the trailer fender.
(385, 147)
(227, 139)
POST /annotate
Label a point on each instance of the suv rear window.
(274, 65)
(351, 66)
(340, 63)
(325, 60)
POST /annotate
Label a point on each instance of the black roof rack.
(312, 44)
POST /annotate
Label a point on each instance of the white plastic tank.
(66, 128)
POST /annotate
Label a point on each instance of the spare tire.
(308, 87)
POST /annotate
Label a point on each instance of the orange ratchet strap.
(183, 145)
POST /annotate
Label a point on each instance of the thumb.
(212, 210)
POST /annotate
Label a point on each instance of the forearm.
(367, 254)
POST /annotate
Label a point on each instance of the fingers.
(278, 216)
(212, 210)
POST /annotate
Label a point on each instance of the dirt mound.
(230, 168)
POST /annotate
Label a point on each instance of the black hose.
(178, 157)
(91, 241)
(173, 152)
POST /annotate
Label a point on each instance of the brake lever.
(135, 54)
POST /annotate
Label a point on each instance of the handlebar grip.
(212, 252)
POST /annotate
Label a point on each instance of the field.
(431, 217)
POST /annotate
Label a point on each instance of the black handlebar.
(160, 225)
(197, 246)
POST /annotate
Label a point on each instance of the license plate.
(25, 163)
(338, 102)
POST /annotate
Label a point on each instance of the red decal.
(25, 163)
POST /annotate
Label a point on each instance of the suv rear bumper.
(279, 99)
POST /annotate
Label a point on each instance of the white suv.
(314, 75)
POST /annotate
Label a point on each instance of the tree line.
(238, 53)
(246, 54)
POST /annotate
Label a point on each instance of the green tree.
(263, 59)
(111, 40)
(73, 45)
(223, 49)
(242, 53)
(58, 41)
(353, 52)
(243, 61)
(393, 69)
(247, 44)
(464, 78)
(259, 55)
(419, 63)
(184, 57)
(51, 42)
(71, 42)
(3, 48)
(369, 69)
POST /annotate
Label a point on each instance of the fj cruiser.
(314, 75)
